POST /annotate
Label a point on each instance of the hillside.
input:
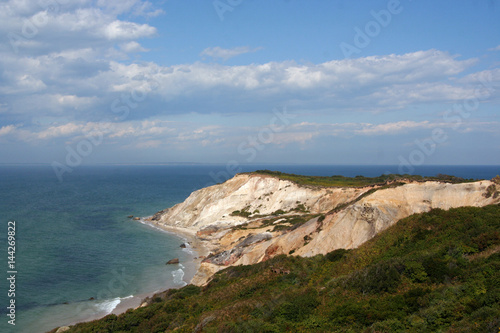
(430, 272)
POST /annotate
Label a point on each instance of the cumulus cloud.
(132, 46)
(225, 54)
(84, 84)
(4, 130)
(127, 30)
(44, 27)
(71, 67)
(394, 127)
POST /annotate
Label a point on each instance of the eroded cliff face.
(255, 194)
(332, 218)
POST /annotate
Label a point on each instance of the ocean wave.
(107, 306)
(178, 277)
(189, 249)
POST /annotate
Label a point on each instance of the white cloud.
(72, 25)
(127, 30)
(4, 130)
(218, 52)
(495, 48)
(132, 46)
(394, 127)
(95, 82)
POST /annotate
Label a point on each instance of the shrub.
(491, 191)
(415, 271)
(380, 277)
(299, 306)
(336, 255)
(436, 268)
(389, 326)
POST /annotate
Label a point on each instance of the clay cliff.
(253, 217)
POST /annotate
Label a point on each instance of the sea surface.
(78, 255)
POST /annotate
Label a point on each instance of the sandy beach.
(190, 268)
(196, 245)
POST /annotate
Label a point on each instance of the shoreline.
(196, 247)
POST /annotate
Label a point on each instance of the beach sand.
(196, 245)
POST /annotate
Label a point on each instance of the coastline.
(195, 246)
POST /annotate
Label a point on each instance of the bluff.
(254, 217)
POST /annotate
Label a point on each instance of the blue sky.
(245, 81)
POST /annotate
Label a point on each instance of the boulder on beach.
(183, 246)
(173, 261)
(130, 216)
(137, 218)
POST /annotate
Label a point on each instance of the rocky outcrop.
(173, 261)
(251, 195)
(333, 217)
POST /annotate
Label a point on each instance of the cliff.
(254, 194)
(252, 217)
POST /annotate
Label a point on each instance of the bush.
(336, 255)
(491, 191)
(436, 269)
(298, 307)
(377, 278)
(389, 326)
(414, 298)
(415, 271)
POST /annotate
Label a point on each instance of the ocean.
(78, 255)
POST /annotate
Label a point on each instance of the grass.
(358, 181)
(432, 272)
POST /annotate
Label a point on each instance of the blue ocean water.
(74, 240)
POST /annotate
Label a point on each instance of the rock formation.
(173, 261)
(252, 217)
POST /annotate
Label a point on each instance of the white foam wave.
(107, 306)
(189, 250)
(178, 277)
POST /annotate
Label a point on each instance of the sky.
(408, 83)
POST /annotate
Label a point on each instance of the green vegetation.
(432, 272)
(358, 181)
(491, 191)
(242, 213)
(286, 222)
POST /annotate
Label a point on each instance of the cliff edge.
(253, 217)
